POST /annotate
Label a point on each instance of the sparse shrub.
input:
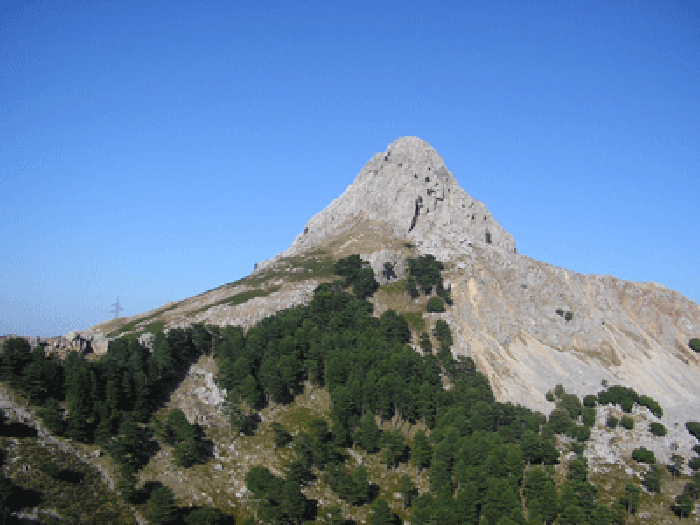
(560, 312)
(683, 506)
(411, 287)
(49, 468)
(443, 333)
(694, 343)
(590, 400)
(627, 422)
(616, 395)
(611, 422)
(560, 420)
(643, 455)
(630, 500)
(436, 304)
(651, 404)
(281, 436)
(161, 506)
(427, 179)
(569, 316)
(677, 462)
(657, 429)
(425, 343)
(579, 433)
(204, 516)
(652, 479)
(572, 403)
(694, 428)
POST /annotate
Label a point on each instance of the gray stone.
(147, 339)
(410, 194)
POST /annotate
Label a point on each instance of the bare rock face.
(530, 326)
(73, 341)
(410, 194)
(387, 265)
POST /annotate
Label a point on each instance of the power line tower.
(117, 308)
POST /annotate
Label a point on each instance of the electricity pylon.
(117, 308)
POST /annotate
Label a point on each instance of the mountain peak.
(408, 193)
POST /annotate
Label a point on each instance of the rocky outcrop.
(80, 342)
(73, 341)
(147, 339)
(612, 446)
(397, 266)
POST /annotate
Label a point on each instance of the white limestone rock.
(409, 191)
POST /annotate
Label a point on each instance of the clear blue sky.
(154, 150)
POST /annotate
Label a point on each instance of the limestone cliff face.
(408, 193)
(505, 312)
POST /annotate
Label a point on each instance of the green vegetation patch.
(238, 298)
(59, 487)
(694, 343)
(395, 288)
(415, 321)
(131, 325)
(314, 265)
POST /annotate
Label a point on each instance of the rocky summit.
(408, 193)
(527, 324)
